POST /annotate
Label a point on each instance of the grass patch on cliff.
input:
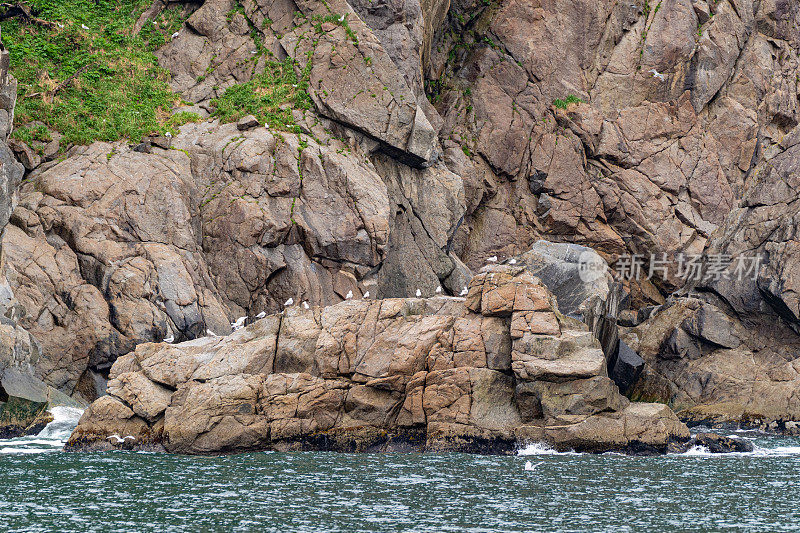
(85, 74)
(269, 96)
(565, 102)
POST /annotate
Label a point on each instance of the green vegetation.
(85, 74)
(563, 104)
(340, 20)
(269, 96)
(29, 134)
(182, 117)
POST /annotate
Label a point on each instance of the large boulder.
(484, 373)
(582, 283)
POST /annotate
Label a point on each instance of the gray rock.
(584, 288)
(626, 367)
(246, 123)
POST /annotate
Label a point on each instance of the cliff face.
(486, 373)
(436, 136)
(22, 395)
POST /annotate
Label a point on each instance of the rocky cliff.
(413, 143)
(483, 374)
(23, 396)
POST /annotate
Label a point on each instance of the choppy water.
(42, 489)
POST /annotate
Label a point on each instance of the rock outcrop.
(585, 289)
(486, 374)
(23, 397)
(727, 351)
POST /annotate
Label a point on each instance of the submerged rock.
(486, 374)
(715, 444)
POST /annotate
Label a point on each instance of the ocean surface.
(45, 489)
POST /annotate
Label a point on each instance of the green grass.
(269, 96)
(563, 104)
(120, 91)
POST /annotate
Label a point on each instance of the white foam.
(22, 450)
(698, 450)
(65, 419)
(50, 439)
(758, 451)
(540, 448)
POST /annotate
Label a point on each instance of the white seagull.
(84, 26)
(170, 339)
(366, 295)
(463, 292)
(261, 315)
(168, 135)
(418, 293)
(175, 34)
(341, 19)
(657, 74)
(305, 305)
(492, 259)
(531, 467)
(512, 261)
(239, 323)
(439, 289)
(288, 302)
(120, 440)
(349, 295)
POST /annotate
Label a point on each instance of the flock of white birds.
(240, 322)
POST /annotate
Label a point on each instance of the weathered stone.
(364, 374)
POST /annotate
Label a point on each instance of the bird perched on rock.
(210, 333)
(349, 295)
(261, 315)
(492, 259)
(84, 26)
(439, 289)
(239, 323)
(175, 34)
(512, 261)
(463, 292)
(305, 305)
(366, 295)
(288, 302)
(418, 293)
(170, 339)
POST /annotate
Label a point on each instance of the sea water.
(45, 489)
